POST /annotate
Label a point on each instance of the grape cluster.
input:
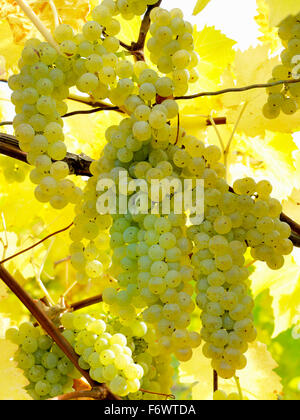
(286, 98)
(49, 372)
(38, 94)
(222, 396)
(105, 12)
(172, 49)
(90, 253)
(158, 371)
(245, 218)
(158, 258)
(12, 170)
(105, 354)
(266, 234)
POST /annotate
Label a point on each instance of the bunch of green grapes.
(38, 94)
(266, 235)
(156, 363)
(49, 371)
(222, 396)
(108, 9)
(234, 222)
(172, 48)
(158, 375)
(105, 354)
(286, 98)
(90, 252)
(12, 170)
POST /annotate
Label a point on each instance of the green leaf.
(200, 5)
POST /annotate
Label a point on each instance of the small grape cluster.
(90, 254)
(49, 371)
(105, 355)
(126, 8)
(285, 98)
(222, 396)
(38, 94)
(266, 234)
(158, 371)
(12, 170)
(172, 48)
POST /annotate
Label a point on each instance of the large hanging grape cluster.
(159, 259)
(286, 98)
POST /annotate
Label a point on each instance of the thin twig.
(5, 123)
(54, 11)
(95, 104)
(96, 393)
(137, 48)
(238, 385)
(63, 260)
(38, 277)
(69, 289)
(38, 23)
(38, 243)
(92, 111)
(250, 263)
(86, 303)
(5, 244)
(241, 89)
(212, 122)
(168, 396)
(216, 381)
(227, 150)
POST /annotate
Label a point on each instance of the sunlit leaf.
(200, 5)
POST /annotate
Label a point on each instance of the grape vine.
(158, 260)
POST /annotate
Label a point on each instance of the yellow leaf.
(258, 380)
(284, 287)
(12, 380)
(260, 155)
(292, 205)
(70, 12)
(215, 51)
(3, 291)
(251, 67)
(280, 9)
(9, 51)
(269, 34)
(200, 5)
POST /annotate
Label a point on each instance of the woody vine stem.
(79, 165)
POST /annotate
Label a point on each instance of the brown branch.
(145, 25)
(216, 381)
(217, 121)
(43, 320)
(86, 302)
(92, 111)
(295, 237)
(35, 245)
(137, 48)
(241, 89)
(78, 164)
(168, 396)
(53, 332)
(96, 393)
(95, 104)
